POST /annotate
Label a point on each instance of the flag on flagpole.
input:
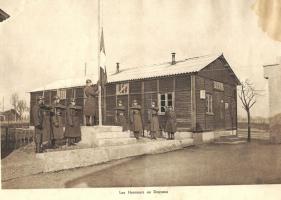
(103, 74)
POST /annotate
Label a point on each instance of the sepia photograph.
(142, 98)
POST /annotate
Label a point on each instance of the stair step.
(102, 128)
(183, 135)
(105, 135)
(114, 142)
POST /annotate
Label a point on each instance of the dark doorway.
(219, 110)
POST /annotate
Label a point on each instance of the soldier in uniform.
(56, 122)
(136, 119)
(72, 128)
(90, 108)
(153, 120)
(37, 113)
(47, 135)
(120, 118)
(171, 124)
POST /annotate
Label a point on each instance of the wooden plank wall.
(217, 71)
(183, 101)
(77, 93)
(200, 104)
(207, 121)
(79, 96)
(111, 99)
(146, 91)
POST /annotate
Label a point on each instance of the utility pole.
(99, 71)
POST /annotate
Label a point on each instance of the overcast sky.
(47, 40)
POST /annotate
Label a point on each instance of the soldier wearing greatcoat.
(90, 108)
(47, 135)
(120, 118)
(72, 128)
(171, 124)
(136, 119)
(153, 120)
(57, 122)
(37, 113)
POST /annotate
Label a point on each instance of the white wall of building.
(273, 74)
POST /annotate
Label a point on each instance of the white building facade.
(272, 73)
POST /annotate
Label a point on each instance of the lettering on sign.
(218, 86)
(122, 88)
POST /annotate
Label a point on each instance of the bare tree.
(14, 100)
(21, 107)
(247, 96)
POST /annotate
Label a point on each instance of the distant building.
(201, 89)
(272, 72)
(3, 15)
(9, 115)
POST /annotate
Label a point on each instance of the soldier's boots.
(152, 134)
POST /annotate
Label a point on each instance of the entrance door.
(219, 111)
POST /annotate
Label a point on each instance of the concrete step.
(102, 128)
(90, 136)
(183, 135)
(255, 137)
(182, 129)
(105, 135)
(114, 142)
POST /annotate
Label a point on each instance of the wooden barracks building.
(201, 89)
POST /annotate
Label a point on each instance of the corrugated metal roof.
(65, 83)
(188, 65)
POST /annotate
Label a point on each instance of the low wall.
(210, 136)
(61, 160)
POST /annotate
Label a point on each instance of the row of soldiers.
(136, 121)
(49, 126)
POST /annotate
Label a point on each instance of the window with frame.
(61, 93)
(164, 100)
(209, 104)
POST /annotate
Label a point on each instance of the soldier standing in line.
(153, 120)
(47, 135)
(72, 128)
(90, 108)
(120, 119)
(56, 122)
(136, 119)
(171, 123)
(37, 113)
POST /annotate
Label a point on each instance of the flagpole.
(99, 75)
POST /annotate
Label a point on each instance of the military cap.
(135, 101)
(40, 98)
(56, 97)
(88, 81)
